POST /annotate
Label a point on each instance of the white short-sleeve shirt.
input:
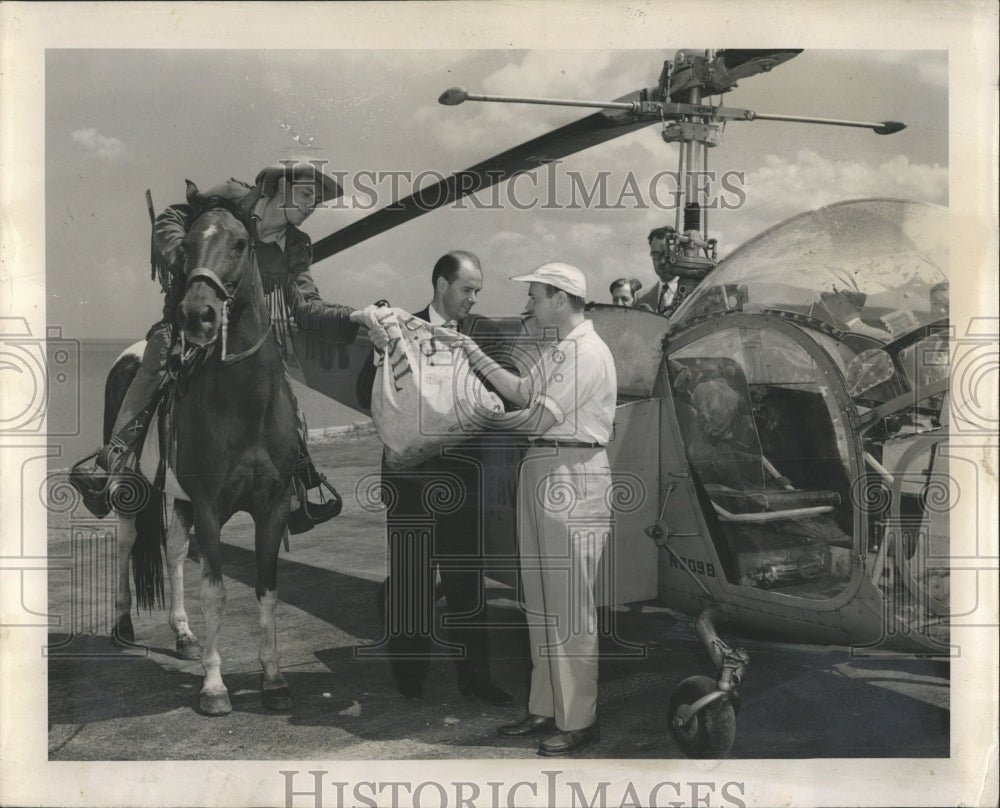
(575, 380)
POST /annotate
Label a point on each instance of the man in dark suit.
(434, 521)
(671, 290)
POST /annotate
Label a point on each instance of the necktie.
(666, 299)
(680, 292)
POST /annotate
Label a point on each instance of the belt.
(566, 444)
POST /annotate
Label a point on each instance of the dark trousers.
(147, 379)
(434, 523)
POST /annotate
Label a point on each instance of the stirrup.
(92, 484)
(110, 483)
(309, 514)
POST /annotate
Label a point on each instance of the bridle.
(228, 293)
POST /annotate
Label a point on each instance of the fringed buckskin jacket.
(284, 273)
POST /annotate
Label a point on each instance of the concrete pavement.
(108, 703)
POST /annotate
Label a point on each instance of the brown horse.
(232, 445)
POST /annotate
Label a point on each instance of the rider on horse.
(281, 199)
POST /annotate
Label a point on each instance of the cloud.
(929, 67)
(591, 236)
(506, 239)
(782, 187)
(101, 146)
(591, 75)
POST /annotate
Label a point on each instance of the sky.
(119, 122)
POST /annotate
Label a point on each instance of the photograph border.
(967, 30)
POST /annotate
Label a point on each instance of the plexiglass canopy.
(874, 267)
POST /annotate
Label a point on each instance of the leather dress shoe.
(569, 741)
(532, 725)
(484, 690)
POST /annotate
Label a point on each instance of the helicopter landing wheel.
(710, 732)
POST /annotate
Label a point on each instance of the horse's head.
(219, 263)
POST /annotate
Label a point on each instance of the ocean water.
(74, 401)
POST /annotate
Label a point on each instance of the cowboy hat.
(299, 170)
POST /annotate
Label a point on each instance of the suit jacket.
(651, 299)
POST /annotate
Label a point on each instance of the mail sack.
(425, 393)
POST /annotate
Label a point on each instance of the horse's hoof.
(214, 704)
(123, 631)
(188, 648)
(277, 699)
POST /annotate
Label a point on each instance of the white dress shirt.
(434, 317)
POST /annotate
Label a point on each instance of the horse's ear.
(194, 197)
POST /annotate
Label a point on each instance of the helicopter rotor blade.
(743, 63)
(457, 95)
(592, 130)
(879, 128)
(619, 117)
(694, 69)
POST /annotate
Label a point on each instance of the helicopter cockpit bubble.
(862, 284)
(867, 370)
(864, 271)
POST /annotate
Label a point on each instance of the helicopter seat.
(775, 503)
(713, 408)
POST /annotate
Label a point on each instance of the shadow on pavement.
(797, 702)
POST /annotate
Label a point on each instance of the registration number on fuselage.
(695, 565)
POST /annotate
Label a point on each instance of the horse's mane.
(204, 204)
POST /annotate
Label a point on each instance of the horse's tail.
(150, 517)
(147, 558)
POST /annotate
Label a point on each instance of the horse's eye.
(241, 245)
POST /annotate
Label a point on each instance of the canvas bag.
(425, 392)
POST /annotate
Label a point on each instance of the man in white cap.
(564, 515)
(282, 197)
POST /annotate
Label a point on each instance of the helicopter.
(780, 447)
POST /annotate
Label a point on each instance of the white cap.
(562, 276)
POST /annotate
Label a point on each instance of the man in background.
(671, 290)
(624, 291)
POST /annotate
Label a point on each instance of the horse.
(231, 443)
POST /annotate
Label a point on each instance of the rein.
(206, 275)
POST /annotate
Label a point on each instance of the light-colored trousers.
(564, 519)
